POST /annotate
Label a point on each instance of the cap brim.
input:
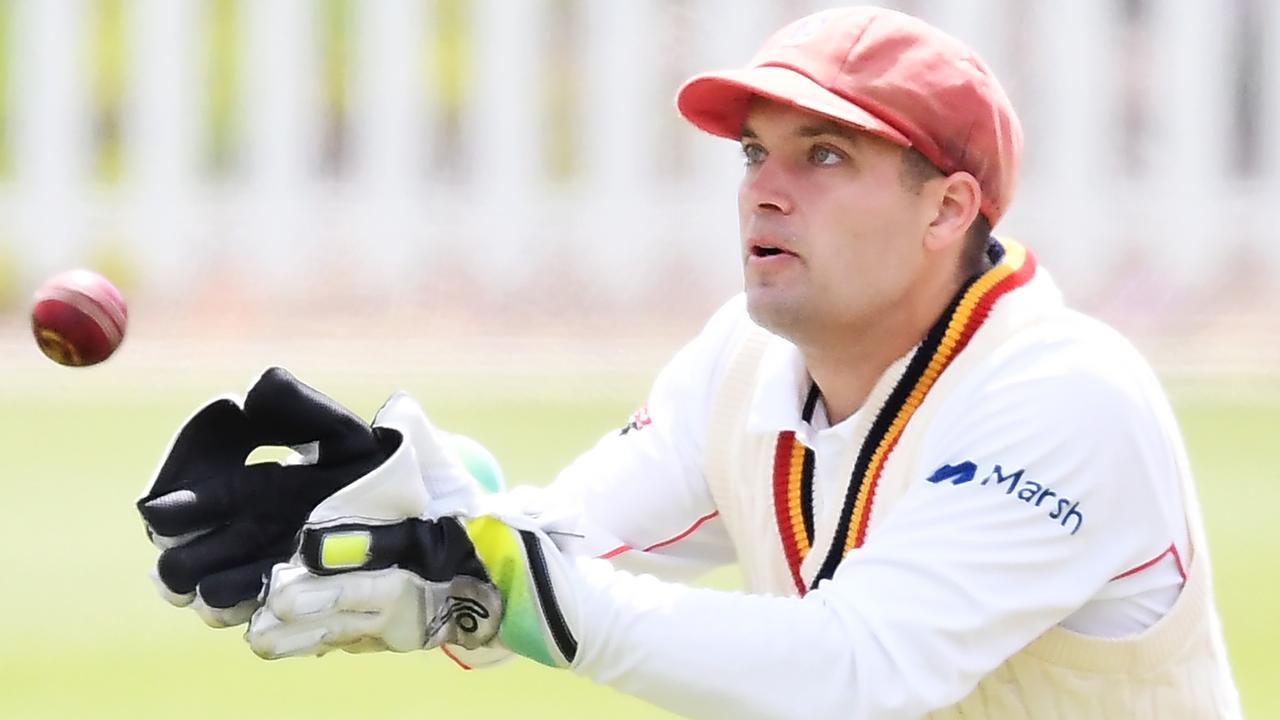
(717, 102)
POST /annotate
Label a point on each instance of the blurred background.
(494, 205)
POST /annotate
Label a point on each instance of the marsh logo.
(1062, 509)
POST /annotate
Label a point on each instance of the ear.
(959, 198)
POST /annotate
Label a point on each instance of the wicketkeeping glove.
(222, 524)
(377, 570)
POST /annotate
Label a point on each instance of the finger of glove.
(164, 542)
(271, 639)
(285, 411)
(179, 515)
(378, 610)
(182, 568)
(171, 597)
(228, 588)
(343, 629)
(298, 596)
(367, 645)
(211, 445)
(215, 617)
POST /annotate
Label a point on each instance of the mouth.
(764, 251)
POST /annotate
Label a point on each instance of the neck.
(846, 366)
(846, 376)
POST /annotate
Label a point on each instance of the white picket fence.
(647, 197)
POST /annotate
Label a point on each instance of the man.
(950, 495)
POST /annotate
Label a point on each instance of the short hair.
(916, 171)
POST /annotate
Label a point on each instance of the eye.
(752, 154)
(823, 155)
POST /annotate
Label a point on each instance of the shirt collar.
(781, 388)
(783, 382)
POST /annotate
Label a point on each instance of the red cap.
(885, 73)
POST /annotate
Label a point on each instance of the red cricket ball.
(78, 318)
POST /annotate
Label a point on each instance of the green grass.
(82, 635)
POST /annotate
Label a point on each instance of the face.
(832, 239)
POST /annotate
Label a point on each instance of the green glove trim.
(479, 462)
(533, 624)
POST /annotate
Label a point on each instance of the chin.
(783, 317)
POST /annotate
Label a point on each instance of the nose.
(764, 189)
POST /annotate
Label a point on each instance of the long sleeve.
(639, 495)
(1052, 498)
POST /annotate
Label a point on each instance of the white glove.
(376, 570)
(448, 464)
(388, 609)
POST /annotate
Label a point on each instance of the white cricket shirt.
(1072, 404)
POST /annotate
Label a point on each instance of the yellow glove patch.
(345, 550)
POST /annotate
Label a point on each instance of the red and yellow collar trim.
(793, 463)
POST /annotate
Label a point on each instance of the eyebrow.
(816, 129)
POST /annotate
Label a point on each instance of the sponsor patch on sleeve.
(639, 419)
